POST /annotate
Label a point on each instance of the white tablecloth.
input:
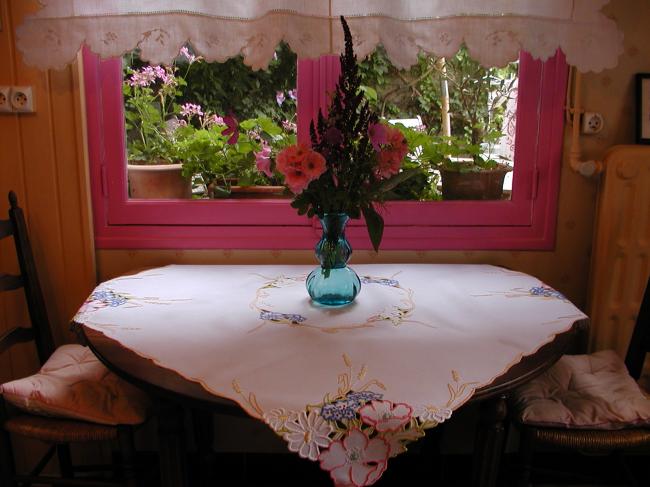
(347, 386)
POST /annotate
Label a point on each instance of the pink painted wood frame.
(527, 221)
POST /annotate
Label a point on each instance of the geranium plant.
(151, 109)
(354, 159)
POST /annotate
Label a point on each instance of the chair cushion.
(584, 391)
(73, 383)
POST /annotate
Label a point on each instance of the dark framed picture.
(643, 108)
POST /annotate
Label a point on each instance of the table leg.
(171, 435)
(489, 442)
(203, 424)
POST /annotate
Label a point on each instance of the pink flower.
(293, 94)
(386, 416)
(356, 460)
(279, 97)
(263, 160)
(392, 153)
(289, 126)
(186, 54)
(378, 134)
(300, 165)
(213, 119)
(191, 109)
(232, 129)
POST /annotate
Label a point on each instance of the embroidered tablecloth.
(349, 387)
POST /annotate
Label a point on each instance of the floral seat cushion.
(584, 391)
(73, 383)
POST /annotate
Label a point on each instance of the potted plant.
(151, 114)
(231, 159)
(468, 171)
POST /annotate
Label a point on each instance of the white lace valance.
(494, 31)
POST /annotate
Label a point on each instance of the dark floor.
(288, 470)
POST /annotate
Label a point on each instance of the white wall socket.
(22, 99)
(592, 123)
(5, 94)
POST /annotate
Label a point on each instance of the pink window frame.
(527, 221)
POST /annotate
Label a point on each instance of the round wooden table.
(168, 384)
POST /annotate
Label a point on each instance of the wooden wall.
(42, 160)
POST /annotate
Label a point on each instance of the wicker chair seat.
(590, 440)
(55, 430)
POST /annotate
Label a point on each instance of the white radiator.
(620, 262)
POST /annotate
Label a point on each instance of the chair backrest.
(640, 341)
(28, 279)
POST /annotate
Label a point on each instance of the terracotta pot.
(481, 185)
(161, 181)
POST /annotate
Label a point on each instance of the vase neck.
(334, 225)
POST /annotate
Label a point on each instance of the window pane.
(459, 115)
(207, 130)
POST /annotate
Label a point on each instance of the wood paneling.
(42, 159)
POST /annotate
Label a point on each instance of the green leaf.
(375, 224)
(389, 184)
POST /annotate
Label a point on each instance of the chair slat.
(8, 282)
(16, 335)
(6, 228)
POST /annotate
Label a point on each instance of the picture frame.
(643, 108)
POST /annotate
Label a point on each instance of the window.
(525, 221)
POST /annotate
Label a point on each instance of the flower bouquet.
(354, 159)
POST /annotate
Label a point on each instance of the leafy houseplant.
(468, 171)
(151, 114)
(229, 156)
(353, 162)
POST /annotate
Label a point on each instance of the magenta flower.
(293, 94)
(185, 52)
(279, 97)
(213, 119)
(378, 135)
(357, 460)
(232, 128)
(386, 416)
(263, 160)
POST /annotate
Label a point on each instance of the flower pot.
(163, 181)
(486, 184)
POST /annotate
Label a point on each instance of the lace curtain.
(494, 31)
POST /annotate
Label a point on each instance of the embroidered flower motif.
(339, 410)
(546, 292)
(380, 280)
(386, 416)
(278, 418)
(293, 318)
(431, 413)
(398, 439)
(308, 434)
(108, 297)
(363, 396)
(356, 460)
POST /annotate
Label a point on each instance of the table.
(446, 304)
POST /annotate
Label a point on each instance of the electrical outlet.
(5, 104)
(592, 123)
(22, 99)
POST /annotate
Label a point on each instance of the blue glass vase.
(333, 283)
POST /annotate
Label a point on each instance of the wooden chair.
(59, 433)
(583, 439)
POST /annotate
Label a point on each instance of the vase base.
(333, 287)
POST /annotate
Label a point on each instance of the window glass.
(207, 130)
(459, 115)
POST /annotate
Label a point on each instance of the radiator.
(620, 262)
